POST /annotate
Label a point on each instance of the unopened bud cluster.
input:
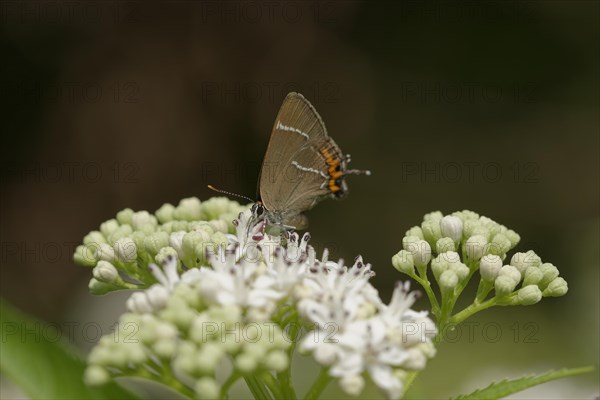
(121, 250)
(458, 246)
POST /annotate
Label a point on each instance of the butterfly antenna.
(357, 172)
(211, 187)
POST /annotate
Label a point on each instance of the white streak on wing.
(291, 129)
(306, 169)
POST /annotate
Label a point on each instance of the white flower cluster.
(237, 307)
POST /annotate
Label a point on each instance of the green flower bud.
(141, 218)
(155, 242)
(124, 216)
(550, 273)
(219, 239)
(409, 242)
(147, 229)
(448, 280)
(431, 230)
(451, 226)
(210, 355)
(165, 213)
(433, 216)
(185, 363)
(513, 237)
(529, 295)
(138, 238)
(164, 253)
(99, 288)
(469, 226)
(94, 238)
(105, 252)
(454, 265)
(96, 375)
(108, 227)
(512, 272)
(189, 209)
(193, 248)
(216, 206)
(415, 231)
(107, 273)
(276, 360)
(558, 287)
(352, 384)
(121, 232)
(202, 226)
(206, 388)
(164, 348)
(481, 230)
(524, 260)
(85, 256)
(245, 363)
(489, 267)
(499, 245)
(177, 226)
(219, 225)
(125, 250)
(135, 353)
(445, 244)
(504, 285)
(532, 276)
(469, 215)
(403, 262)
(421, 253)
(228, 219)
(439, 265)
(476, 246)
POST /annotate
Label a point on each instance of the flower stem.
(472, 309)
(410, 377)
(227, 384)
(319, 385)
(258, 389)
(285, 377)
(424, 282)
(272, 384)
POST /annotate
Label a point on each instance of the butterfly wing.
(293, 170)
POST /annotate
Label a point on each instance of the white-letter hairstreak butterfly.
(302, 165)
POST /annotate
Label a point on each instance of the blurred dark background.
(491, 106)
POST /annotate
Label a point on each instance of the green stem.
(228, 383)
(424, 282)
(410, 378)
(483, 290)
(319, 385)
(272, 384)
(472, 309)
(258, 389)
(285, 377)
(171, 380)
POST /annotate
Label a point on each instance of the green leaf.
(507, 387)
(42, 366)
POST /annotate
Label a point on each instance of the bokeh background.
(491, 106)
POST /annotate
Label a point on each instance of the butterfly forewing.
(291, 176)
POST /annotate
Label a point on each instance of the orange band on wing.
(334, 169)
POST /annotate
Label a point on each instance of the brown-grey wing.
(308, 175)
(297, 126)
